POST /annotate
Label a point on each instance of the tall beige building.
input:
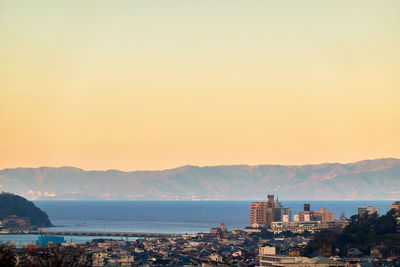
(271, 201)
(262, 213)
(258, 213)
(327, 216)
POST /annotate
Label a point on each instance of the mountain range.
(377, 179)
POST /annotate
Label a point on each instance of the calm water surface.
(172, 216)
(165, 216)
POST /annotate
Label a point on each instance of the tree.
(7, 257)
(57, 257)
(386, 224)
(363, 232)
(326, 242)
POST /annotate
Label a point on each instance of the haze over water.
(171, 216)
(162, 216)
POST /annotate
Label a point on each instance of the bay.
(164, 216)
(172, 216)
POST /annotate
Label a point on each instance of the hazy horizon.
(373, 179)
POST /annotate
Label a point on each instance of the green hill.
(363, 233)
(11, 204)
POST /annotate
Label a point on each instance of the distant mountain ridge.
(377, 179)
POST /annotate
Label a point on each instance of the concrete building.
(395, 206)
(286, 218)
(264, 213)
(306, 216)
(221, 231)
(295, 261)
(258, 214)
(294, 227)
(267, 250)
(327, 216)
(311, 216)
(367, 210)
(271, 201)
(279, 212)
(268, 257)
(280, 260)
(270, 216)
(310, 221)
(334, 225)
(307, 206)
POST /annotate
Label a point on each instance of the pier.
(100, 233)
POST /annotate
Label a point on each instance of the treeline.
(44, 257)
(363, 233)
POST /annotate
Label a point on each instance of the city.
(274, 237)
(199, 133)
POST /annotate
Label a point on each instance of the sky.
(135, 85)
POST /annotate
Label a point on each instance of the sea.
(163, 216)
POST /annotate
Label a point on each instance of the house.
(215, 257)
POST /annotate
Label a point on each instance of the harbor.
(94, 233)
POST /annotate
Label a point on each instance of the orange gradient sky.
(158, 84)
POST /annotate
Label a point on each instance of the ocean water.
(172, 216)
(166, 216)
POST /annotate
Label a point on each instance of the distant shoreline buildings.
(367, 210)
(273, 216)
(395, 206)
(262, 214)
